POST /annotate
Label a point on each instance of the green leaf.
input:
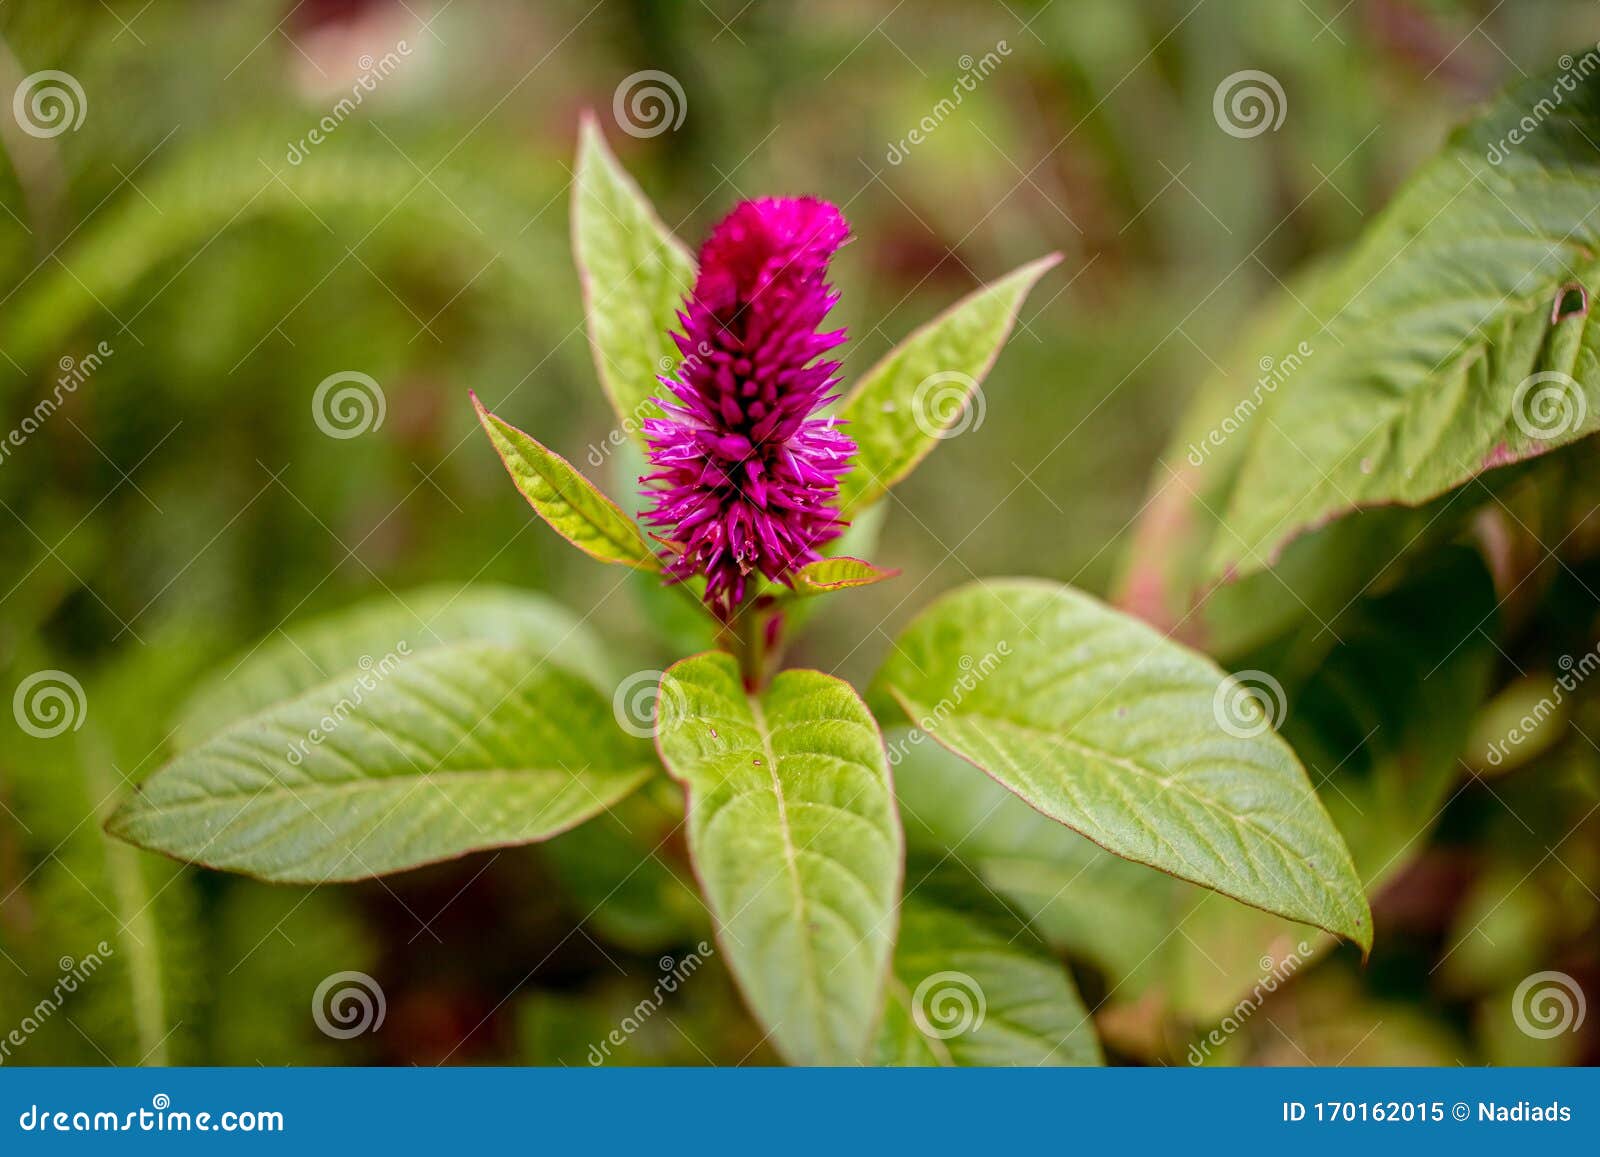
(419, 759)
(1453, 339)
(1110, 728)
(794, 836)
(919, 391)
(340, 645)
(565, 499)
(1078, 897)
(635, 275)
(837, 574)
(972, 988)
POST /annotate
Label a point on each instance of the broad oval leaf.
(905, 403)
(453, 750)
(1453, 339)
(972, 987)
(1107, 726)
(635, 274)
(794, 835)
(565, 499)
(342, 644)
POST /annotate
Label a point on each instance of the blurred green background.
(183, 503)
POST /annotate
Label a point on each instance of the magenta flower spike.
(746, 476)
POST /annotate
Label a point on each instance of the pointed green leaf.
(635, 275)
(565, 499)
(836, 574)
(794, 836)
(1452, 340)
(1109, 727)
(918, 393)
(418, 759)
(973, 987)
(340, 645)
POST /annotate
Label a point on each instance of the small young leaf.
(340, 645)
(565, 499)
(903, 405)
(456, 749)
(794, 836)
(973, 987)
(835, 574)
(635, 274)
(1143, 746)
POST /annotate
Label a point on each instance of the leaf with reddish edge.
(1106, 726)
(1454, 338)
(836, 574)
(797, 844)
(634, 275)
(565, 499)
(906, 403)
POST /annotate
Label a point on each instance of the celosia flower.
(746, 476)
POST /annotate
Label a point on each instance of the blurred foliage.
(182, 504)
